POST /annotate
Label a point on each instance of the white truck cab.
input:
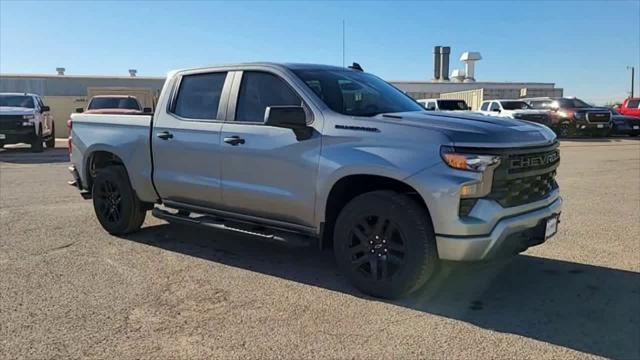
(24, 118)
(444, 104)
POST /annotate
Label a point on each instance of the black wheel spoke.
(395, 246)
(374, 267)
(379, 226)
(359, 261)
(384, 265)
(394, 259)
(359, 234)
(358, 249)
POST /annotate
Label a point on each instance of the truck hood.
(10, 110)
(470, 130)
(527, 112)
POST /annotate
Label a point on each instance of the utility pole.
(633, 75)
(342, 42)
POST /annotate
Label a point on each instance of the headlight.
(562, 114)
(27, 117)
(470, 162)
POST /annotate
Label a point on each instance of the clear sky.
(584, 47)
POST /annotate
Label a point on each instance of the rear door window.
(199, 96)
(260, 90)
(633, 104)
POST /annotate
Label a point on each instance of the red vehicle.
(630, 107)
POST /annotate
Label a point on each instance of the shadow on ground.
(586, 308)
(23, 155)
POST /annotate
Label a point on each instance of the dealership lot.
(68, 289)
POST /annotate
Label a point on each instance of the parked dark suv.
(571, 116)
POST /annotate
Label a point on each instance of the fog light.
(583, 127)
(26, 123)
(468, 190)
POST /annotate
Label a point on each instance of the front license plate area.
(600, 126)
(3, 136)
(551, 227)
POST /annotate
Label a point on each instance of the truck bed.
(127, 136)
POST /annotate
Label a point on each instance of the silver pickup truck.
(336, 156)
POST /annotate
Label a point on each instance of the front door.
(266, 171)
(186, 140)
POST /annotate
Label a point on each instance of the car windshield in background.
(17, 101)
(452, 105)
(114, 103)
(356, 93)
(515, 105)
(573, 103)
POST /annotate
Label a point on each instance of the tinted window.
(572, 104)
(199, 96)
(356, 93)
(541, 104)
(494, 106)
(633, 104)
(452, 105)
(485, 106)
(515, 105)
(17, 101)
(260, 90)
(114, 103)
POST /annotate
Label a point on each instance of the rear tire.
(117, 207)
(51, 142)
(385, 244)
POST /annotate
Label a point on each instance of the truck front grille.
(539, 118)
(598, 117)
(525, 177)
(9, 122)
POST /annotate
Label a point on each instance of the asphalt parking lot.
(70, 290)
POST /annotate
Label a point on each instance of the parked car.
(325, 155)
(624, 124)
(24, 118)
(444, 104)
(572, 116)
(630, 107)
(114, 104)
(515, 109)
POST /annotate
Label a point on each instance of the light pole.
(633, 75)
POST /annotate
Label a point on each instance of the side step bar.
(269, 234)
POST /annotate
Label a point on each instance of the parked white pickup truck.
(444, 104)
(24, 118)
(515, 109)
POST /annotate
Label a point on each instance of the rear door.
(270, 174)
(633, 107)
(186, 139)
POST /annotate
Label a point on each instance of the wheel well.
(98, 161)
(351, 186)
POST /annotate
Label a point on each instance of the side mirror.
(79, 110)
(147, 110)
(289, 117)
(496, 110)
(45, 108)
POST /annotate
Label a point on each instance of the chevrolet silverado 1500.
(295, 152)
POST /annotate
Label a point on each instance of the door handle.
(234, 140)
(165, 135)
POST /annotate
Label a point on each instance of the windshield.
(356, 93)
(17, 101)
(515, 105)
(114, 103)
(452, 105)
(572, 103)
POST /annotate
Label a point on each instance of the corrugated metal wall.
(473, 98)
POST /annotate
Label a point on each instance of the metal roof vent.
(60, 70)
(469, 59)
(133, 72)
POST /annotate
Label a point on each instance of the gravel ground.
(70, 290)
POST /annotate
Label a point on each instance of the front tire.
(117, 207)
(36, 144)
(385, 244)
(51, 142)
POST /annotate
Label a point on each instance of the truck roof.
(16, 93)
(114, 96)
(289, 66)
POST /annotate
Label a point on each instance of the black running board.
(219, 223)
